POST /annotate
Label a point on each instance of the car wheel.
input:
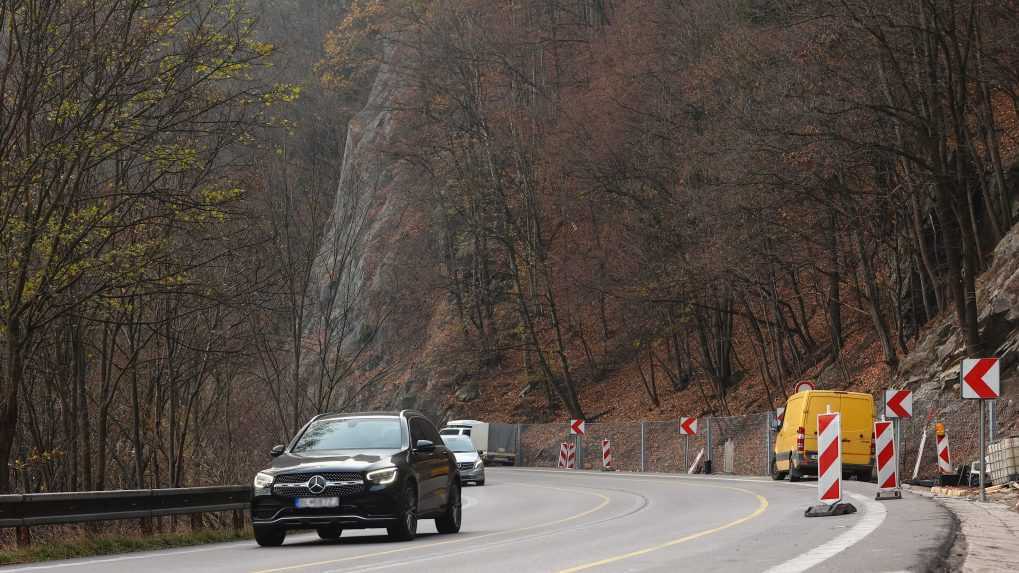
(480, 482)
(270, 536)
(450, 520)
(794, 474)
(329, 533)
(775, 473)
(407, 529)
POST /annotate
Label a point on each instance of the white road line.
(872, 519)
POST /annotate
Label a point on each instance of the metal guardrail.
(26, 510)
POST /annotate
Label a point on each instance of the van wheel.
(775, 473)
(794, 474)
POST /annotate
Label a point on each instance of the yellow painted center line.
(762, 504)
(460, 539)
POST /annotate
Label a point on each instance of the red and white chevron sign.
(687, 426)
(884, 444)
(780, 415)
(567, 455)
(944, 454)
(577, 427)
(829, 460)
(606, 454)
(981, 378)
(898, 404)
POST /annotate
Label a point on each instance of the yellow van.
(796, 443)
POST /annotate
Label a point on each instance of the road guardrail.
(22, 511)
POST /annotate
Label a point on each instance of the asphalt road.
(534, 520)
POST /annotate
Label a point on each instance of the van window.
(450, 432)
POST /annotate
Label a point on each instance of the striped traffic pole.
(944, 454)
(887, 461)
(829, 458)
(606, 455)
(829, 468)
(563, 448)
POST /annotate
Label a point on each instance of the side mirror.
(277, 450)
(481, 453)
(424, 446)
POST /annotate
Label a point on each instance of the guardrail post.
(767, 446)
(23, 535)
(196, 522)
(238, 520)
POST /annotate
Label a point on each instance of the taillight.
(801, 445)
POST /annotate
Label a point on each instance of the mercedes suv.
(358, 471)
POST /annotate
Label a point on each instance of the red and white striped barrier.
(567, 456)
(944, 454)
(887, 458)
(606, 455)
(829, 459)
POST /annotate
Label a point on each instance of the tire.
(407, 529)
(451, 518)
(479, 482)
(270, 536)
(329, 533)
(775, 473)
(865, 475)
(794, 474)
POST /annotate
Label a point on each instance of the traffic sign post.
(803, 387)
(980, 380)
(578, 428)
(898, 404)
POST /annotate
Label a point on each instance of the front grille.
(466, 465)
(331, 491)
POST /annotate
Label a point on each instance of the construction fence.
(733, 445)
(742, 445)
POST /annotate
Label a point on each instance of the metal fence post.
(642, 446)
(519, 461)
(767, 449)
(23, 535)
(990, 420)
(707, 459)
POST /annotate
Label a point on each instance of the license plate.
(308, 502)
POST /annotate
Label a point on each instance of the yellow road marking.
(461, 539)
(762, 505)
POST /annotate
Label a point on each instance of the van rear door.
(818, 403)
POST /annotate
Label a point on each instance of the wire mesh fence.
(738, 445)
(742, 445)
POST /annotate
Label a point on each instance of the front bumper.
(472, 474)
(376, 506)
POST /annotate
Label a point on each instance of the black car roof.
(387, 414)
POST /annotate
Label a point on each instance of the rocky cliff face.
(372, 302)
(933, 365)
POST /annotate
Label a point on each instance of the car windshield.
(352, 434)
(458, 443)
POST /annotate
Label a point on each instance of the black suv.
(357, 471)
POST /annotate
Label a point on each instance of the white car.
(468, 461)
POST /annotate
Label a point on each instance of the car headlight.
(263, 480)
(383, 476)
(478, 465)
